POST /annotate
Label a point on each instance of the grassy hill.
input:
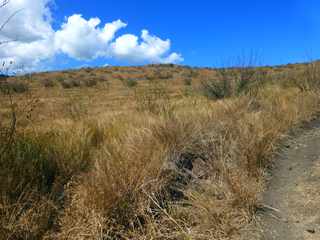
(154, 152)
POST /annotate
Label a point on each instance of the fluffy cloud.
(30, 20)
(27, 55)
(151, 48)
(34, 39)
(29, 31)
(82, 39)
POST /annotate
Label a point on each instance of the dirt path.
(292, 199)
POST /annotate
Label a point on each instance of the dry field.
(154, 152)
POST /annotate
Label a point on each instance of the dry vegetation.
(156, 152)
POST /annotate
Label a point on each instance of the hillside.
(153, 152)
(115, 89)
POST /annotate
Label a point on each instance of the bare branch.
(9, 18)
(4, 3)
(7, 41)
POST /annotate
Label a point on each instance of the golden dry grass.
(151, 161)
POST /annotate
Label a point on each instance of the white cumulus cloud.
(82, 39)
(29, 32)
(151, 48)
(34, 39)
(29, 20)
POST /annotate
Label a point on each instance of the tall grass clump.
(240, 78)
(35, 168)
(154, 98)
(308, 79)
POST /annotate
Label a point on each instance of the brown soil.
(292, 201)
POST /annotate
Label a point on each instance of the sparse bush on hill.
(48, 83)
(232, 82)
(13, 86)
(187, 81)
(87, 69)
(129, 82)
(163, 75)
(309, 79)
(154, 98)
(70, 83)
(217, 88)
(90, 82)
(159, 74)
(191, 73)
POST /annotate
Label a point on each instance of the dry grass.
(142, 163)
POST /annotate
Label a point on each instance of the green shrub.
(216, 88)
(232, 82)
(129, 82)
(48, 83)
(90, 82)
(187, 81)
(14, 87)
(70, 83)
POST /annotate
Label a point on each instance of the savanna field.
(153, 152)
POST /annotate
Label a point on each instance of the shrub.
(129, 82)
(90, 82)
(233, 82)
(48, 83)
(191, 73)
(308, 79)
(13, 87)
(187, 81)
(161, 74)
(154, 98)
(70, 83)
(217, 88)
(150, 76)
(88, 69)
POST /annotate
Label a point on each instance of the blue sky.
(203, 32)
